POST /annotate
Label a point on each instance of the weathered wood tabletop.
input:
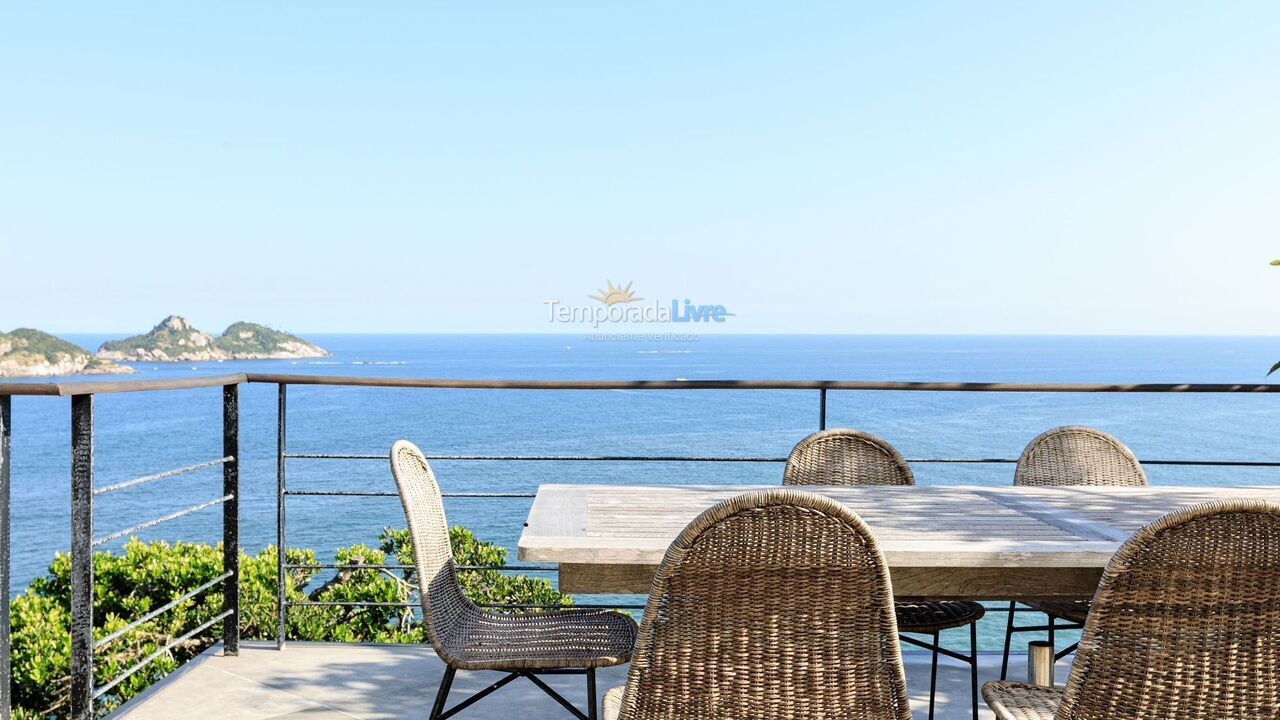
(970, 542)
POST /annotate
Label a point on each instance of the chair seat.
(613, 703)
(935, 615)
(1070, 610)
(542, 640)
(1020, 701)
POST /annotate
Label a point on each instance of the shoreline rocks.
(27, 352)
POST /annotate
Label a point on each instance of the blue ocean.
(142, 433)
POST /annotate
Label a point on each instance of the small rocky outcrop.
(175, 340)
(31, 353)
(250, 341)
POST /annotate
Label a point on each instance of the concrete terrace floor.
(329, 681)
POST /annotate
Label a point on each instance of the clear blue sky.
(410, 167)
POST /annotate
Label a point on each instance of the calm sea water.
(141, 433)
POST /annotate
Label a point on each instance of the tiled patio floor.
(322, 681)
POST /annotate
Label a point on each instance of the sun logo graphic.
(610, 295)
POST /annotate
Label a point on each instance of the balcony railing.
(83, 492)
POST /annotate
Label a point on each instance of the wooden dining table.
(940, 541)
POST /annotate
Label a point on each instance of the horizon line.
(580, 333)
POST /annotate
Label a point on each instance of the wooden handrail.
(755, 385)
(104, 387)
(100, 387)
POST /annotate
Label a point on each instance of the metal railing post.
(231, 518)
(822, 409)
(6, 669)
(1040, 663)
(82, 557)
(281, 561)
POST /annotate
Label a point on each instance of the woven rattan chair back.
(443, 604)
(842, 456)
(1186, 621)
(771, 605)
(1077, 455)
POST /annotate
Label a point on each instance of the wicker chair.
(845, 457)
(1185, 626)
(1077, 455)
(774, 605)
(467, 637)
(851, 457)
(1069, 455)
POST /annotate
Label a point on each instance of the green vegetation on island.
(149, 575)
(31, 353)
(172, 339)
(250, 340)
(175, 340)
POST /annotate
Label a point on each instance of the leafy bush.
(149, 575)
(485, 587)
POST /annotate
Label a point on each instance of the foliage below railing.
(149, 575)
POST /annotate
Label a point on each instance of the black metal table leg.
(933, 675)
(1008, 640)
(973, 667)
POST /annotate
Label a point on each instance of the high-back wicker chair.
(468, 637)
(843, 456)
(774, 605)
(1068, 455)
(1077, 455)
(1185, 626)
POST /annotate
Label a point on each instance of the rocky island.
(31, 353)
(175, 340)
(249, 341)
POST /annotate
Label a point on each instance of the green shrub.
(146, 576)
(486, 587)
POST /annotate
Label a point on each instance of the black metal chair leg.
(439, 713)
(973, 667)
(443, 693)
(554, 695)
(1008, 641)
(477, 697)
(591, 693)
(933, 675)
